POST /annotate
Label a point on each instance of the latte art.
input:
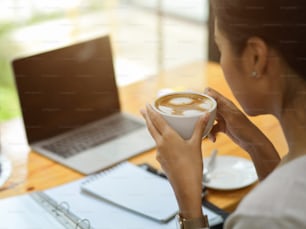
(182, 110)
(184, 104)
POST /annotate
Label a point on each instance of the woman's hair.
(280, 23)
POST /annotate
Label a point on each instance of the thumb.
(200, 127)
(224, 104)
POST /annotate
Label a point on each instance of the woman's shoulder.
(280, 197)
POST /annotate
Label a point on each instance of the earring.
(254, 74)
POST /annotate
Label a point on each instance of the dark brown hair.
(280, 23)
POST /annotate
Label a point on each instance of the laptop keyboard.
(100, 133)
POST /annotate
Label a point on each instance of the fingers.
(225, 110)
(157, 126)
(157, 120)
(224, 104)
(153, 131)
(214, 131)
(213, 93)
(212, 137)
(200, 127)
(218, 127)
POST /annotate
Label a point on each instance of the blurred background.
(148, 36)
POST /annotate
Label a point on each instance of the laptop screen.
(63, 89)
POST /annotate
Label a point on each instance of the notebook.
(136, 190)
(71, 108)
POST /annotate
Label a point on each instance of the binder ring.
(62, 206)
(80, 221)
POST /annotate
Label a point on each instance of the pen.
(153, 170)
(157, 172)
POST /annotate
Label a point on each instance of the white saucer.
(231, 173)
(6, 169)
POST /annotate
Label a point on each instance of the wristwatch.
(196, 223)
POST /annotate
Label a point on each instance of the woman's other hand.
(231, 121)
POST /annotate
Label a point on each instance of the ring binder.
(61, 206)
(61, 212)
(82, 221)
(15, 213)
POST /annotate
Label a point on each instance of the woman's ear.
(257, 56)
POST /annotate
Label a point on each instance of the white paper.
(22, 212)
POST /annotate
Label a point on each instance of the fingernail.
(211, 138)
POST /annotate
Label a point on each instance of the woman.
(263, 57)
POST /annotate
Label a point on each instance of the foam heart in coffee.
(184, 104)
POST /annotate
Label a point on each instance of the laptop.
(71, 109)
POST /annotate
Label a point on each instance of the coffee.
(184, 104)
(181, 110)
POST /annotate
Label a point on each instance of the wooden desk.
(35, 172)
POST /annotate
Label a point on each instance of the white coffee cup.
(181, 110)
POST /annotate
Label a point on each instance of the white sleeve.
(238, 221)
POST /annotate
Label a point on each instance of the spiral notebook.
(134, 189)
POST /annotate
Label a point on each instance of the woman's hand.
(180, 159)
(231, 121)
(234, 123)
